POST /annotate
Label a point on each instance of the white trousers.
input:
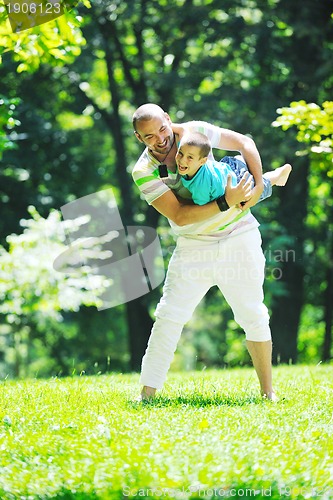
(236, 265)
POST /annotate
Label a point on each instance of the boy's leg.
(241, 167)
(277, 177)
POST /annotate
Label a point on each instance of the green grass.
(84, 438)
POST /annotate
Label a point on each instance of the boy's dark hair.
(199, 140)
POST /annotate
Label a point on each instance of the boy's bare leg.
(279, 176)
(261, 354)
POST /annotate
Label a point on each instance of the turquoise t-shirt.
(209, 182)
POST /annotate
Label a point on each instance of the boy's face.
(189, 160)
(156, 133)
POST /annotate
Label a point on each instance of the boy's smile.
(188, 160)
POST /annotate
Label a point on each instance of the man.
(218, 244)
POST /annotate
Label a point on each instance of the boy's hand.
(255, 195)
(242, 192)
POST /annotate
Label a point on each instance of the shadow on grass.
(79, 495)
(198, 401)
(69, 495)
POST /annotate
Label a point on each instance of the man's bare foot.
(282, 174)
(147, 394)
(271, 396)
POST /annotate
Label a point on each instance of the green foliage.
(83, 437)
(30, 284)
(311, 334)
(211, 338)
(314, 129)
(314, 126)
(33, 294)
(56, 42)
(7, 122)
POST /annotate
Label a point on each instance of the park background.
(68, 90)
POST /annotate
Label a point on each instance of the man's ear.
(167, 117)
(138, 136)
(203, 160)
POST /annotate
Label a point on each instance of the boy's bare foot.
(279, 176)
(282, 174)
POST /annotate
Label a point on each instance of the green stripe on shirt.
(239, 216)
(143, 180)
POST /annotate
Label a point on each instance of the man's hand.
(242, 192)
(255, 195)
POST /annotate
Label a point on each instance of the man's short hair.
(146, 112)
(199, 140)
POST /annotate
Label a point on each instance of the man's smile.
(163, 144)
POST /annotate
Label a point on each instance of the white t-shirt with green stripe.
(146, 176)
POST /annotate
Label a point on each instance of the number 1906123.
(34, 8)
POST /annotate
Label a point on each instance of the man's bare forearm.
(252, 158)
(190, 213)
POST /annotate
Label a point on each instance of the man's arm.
(233, 141)
(182, 213)
(178, 129)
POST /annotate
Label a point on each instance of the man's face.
(156, 133)
(189, 160)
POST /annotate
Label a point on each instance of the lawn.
(207, 435)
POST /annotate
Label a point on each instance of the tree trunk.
(287, 308)
(286, 315)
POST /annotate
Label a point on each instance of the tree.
(55, 43)
(309, 77)
(315, 132)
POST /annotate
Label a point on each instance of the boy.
(207, 179)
